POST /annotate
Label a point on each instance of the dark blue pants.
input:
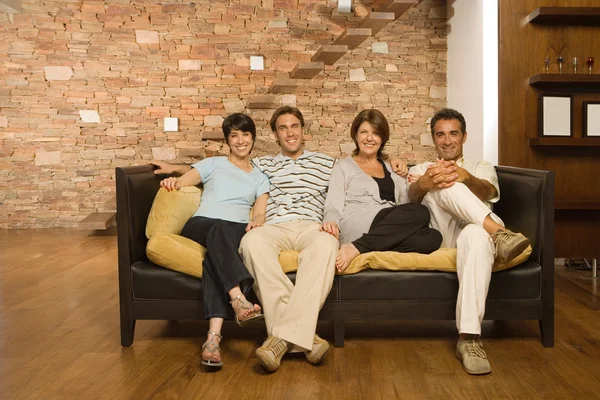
(403, 228)
(222, 268)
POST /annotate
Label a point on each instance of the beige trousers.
(458, 214)
(291, 311)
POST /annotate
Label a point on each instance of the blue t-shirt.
(229, 192)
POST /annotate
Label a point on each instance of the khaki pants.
(291, 311)
(458, 214)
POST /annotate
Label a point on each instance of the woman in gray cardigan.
(367, 204)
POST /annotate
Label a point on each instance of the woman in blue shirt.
(231, 187)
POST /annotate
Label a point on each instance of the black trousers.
(403, 228)
(222, 268)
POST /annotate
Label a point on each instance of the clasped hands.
(441, 175)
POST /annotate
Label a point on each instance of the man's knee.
(251, 240)
(327, 242)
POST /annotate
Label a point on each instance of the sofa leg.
(127, 332)
(547, 331)
(338, 333)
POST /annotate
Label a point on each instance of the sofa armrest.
(527, 205)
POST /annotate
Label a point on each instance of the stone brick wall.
(127, 65)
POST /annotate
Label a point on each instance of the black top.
(386, 185)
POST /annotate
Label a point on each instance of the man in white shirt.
(459, 193)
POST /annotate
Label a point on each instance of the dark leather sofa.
(526, 292)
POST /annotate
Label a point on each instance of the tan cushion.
(171, 210)
(440, 260)
(176, 252)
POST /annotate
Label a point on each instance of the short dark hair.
(379, 124)
(446, 114)
(238, 122)
(283, 111)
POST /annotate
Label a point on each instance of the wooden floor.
(59, 339)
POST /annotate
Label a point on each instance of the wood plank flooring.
(59, 339)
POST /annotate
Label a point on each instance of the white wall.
(473, 73)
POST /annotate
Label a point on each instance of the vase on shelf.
(590, 64)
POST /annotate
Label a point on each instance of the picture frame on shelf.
(591, 119)
(555, 115)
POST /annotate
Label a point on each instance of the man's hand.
(331, 228)
(163, 167)
(399, 166)
(171, 184)
(253, 224)
(463, 175)
(441, 175)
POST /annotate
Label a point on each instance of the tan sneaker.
(508, 245)
(320, 348)
(271, 351)
(470, 352)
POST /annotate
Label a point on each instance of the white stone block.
(171, 124)
(257, 63)
(277, 24)
(146, 37)
(43, 157)
(89, 116)
(163, 153)
(3, 122)
(344, 5)
(380, 47)
(54, 73)
(288, 100)
(347, 148)
(233, 105)
(391, 68)
(437, 92)
(213, 120)
(357, 75)
(426, 140)
(190, 65)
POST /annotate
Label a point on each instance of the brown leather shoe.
(508, 245)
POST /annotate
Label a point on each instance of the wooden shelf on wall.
(582, 16)
(565, 141)
(549, 80)
(576, 205)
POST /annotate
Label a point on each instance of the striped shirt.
(298, 187)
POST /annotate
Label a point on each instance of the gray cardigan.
(353, 198)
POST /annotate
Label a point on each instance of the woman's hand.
(399, 166)
(253, 224)
(163, 167)
(331, 228)
(171, 184)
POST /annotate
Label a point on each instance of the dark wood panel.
(522, 49)
(566, 141)
(582, 79)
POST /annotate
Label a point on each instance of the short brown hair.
(448, 114)
(379, 124)
(283, 111)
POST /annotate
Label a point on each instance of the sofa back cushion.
(171, 210)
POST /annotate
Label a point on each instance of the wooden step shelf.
(213, 135)
(376, 21)
(577, 205)
(353, 37)
(97, 221)
(307, 70)
(565, 141)
(581, 16)
(398, 7)
(284, 86)
(263, 102)
(111, 204)
(547, 80)
(329, 54)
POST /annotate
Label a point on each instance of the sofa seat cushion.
(438, 286)
(151, 281)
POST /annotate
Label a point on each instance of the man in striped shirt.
(299, 181)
